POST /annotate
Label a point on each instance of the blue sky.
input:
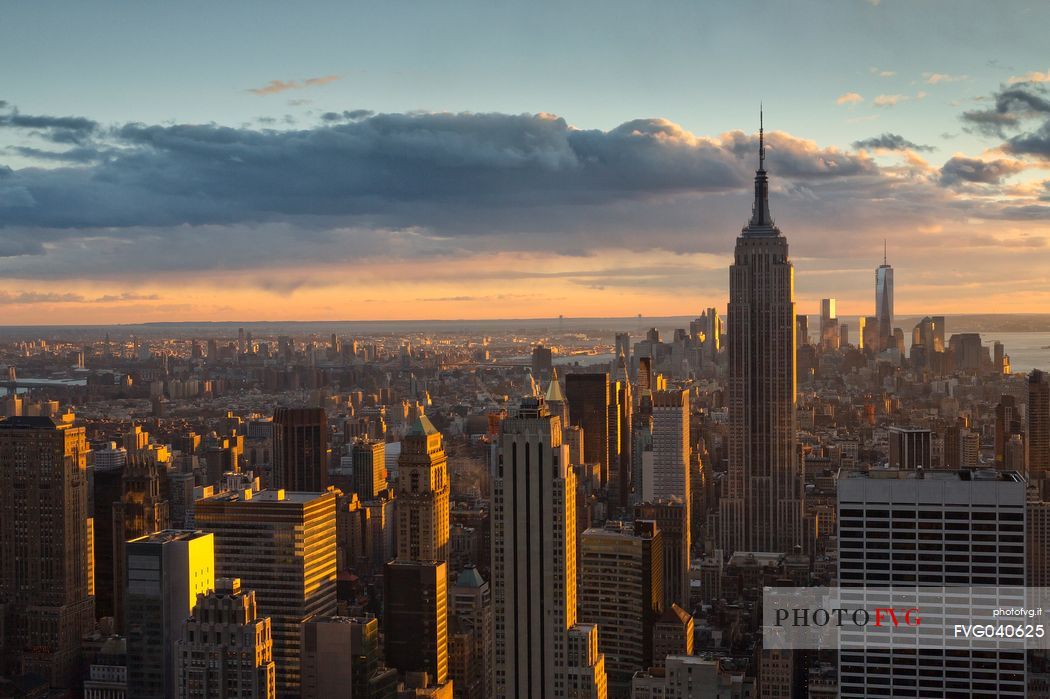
(831, 74)
(704, 65)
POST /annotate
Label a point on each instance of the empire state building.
(762, 507)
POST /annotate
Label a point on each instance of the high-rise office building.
(226, 649)
(141, 510)
(829, 324)
(884, 304)
(300, 449)
(671, 451)
(165, 572)
(621, 566)
(422, 495)
(762, 506)
(1007, 424)
(585, 676)
(45, 599)
(910, 448)
(1038, 425)
(370, 679)
(802, 330)
(620, 452)
(970, 529)
(623, 349)
(107, 476)
(282, 545)
(534, 562)
(588, 398)
(672, 519)
(415, 618)
(328, 658)
(542, 362)
(369, 464)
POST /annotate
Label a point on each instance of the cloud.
(1016, 107)
(1031, 77)
(276, 86)
(888, 100)
(962, 169)
(882, 73)
(849, 98)
(126, 296)
(889, 141)
(352, 115)
(431, 199)
(9, 298)
(937, 78)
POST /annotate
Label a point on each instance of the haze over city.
(468, 161)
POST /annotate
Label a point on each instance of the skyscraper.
(622, 568)
(226, 649)
(415, 617)
(884, 302)
(1007, 424)
(328, 658)
(1038, 425)
(165, 572)
(369, 460)
(672, 519)
(910, 448)
(44, 587)
(944, 511)
(534, 562)
(588, 398)
(829, 323)
(300, 449)
(470, 603)
(141, 510)
(762, 508)
(282, 545)
(422, 495)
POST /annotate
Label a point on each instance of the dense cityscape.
(553, 508)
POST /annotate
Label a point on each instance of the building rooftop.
(28, 423)
(167, 535)
(470, 577)
(981, 474)
(266, 496)
(421, 427)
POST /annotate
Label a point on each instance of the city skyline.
(327, 185)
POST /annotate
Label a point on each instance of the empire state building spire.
(761, 222)
(761, 507)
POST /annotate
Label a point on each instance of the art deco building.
(282, 545)
(762, 506)
(422, 495)
(226, 649)
(539, 649)
(44, 588)
(300, 449)
(165, 572)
